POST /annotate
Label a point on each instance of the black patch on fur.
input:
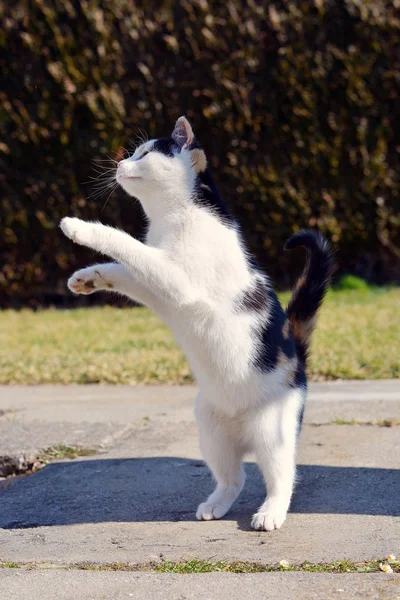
(300, 418)
(166, 146)
(300, 381)
(272, 337)
(300, 377)
(255, 298)
(142, 155)
(207, 194)
(206, 191)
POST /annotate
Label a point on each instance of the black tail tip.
(310, 239)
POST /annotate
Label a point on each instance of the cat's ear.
(199, 160)
(183, 133)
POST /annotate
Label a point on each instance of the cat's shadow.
(169, 489)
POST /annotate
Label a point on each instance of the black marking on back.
(207, 194)
(300, 377)
(255, 298)
(166, 146)
(272, 338)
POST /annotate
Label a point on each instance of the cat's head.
(162, 173)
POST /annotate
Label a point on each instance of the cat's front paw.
(77, 230)
(89, 280)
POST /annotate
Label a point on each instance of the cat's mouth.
(125, 176)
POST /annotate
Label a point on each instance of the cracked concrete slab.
(137, 501)
(86, 585)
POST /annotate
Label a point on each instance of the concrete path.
(135, 500)
(56, 585)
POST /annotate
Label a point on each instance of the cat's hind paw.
(268, 519)
(209, 511)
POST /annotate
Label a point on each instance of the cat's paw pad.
(76, 230)
(209, 511)
(87, 281)
(268, 520)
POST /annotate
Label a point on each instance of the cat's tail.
(310, 288)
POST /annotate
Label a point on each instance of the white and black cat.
(247, 354)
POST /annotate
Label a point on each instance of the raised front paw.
(87, 281)
(77, 230)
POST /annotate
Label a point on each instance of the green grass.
(338, 566)
(9, 565)
(205, 566)
(60, 452)
(357, 337)
(377, 423)
(351, 282)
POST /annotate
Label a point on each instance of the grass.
(338, 566)
(356, 338)
(377, 423)
(204, 566)
(351, 282)
(60, 452)
(9, 565)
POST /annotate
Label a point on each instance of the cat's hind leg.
(273, 431)
(223, 453)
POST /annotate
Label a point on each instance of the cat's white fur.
(190, 272)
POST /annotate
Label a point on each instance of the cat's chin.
(129, 184)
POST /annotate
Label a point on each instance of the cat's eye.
(143, 155)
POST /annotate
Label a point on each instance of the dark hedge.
(296, 104)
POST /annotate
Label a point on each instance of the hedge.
(296, 104)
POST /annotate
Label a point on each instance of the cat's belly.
(221, 354)
(216, 348)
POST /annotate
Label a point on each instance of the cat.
(247, 354)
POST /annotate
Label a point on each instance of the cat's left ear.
(183, 133)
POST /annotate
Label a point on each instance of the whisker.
(105, 172)
(139, 140)
(109, 196)
(99, 179)
(134, 145)
(103, 167)
(144, 134)
(101, 190)
(126, 151)
(104, 182)
(108, 159)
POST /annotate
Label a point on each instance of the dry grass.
(357, 337)
(204, 566)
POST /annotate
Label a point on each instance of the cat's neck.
(162, 206)
(166, 227)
